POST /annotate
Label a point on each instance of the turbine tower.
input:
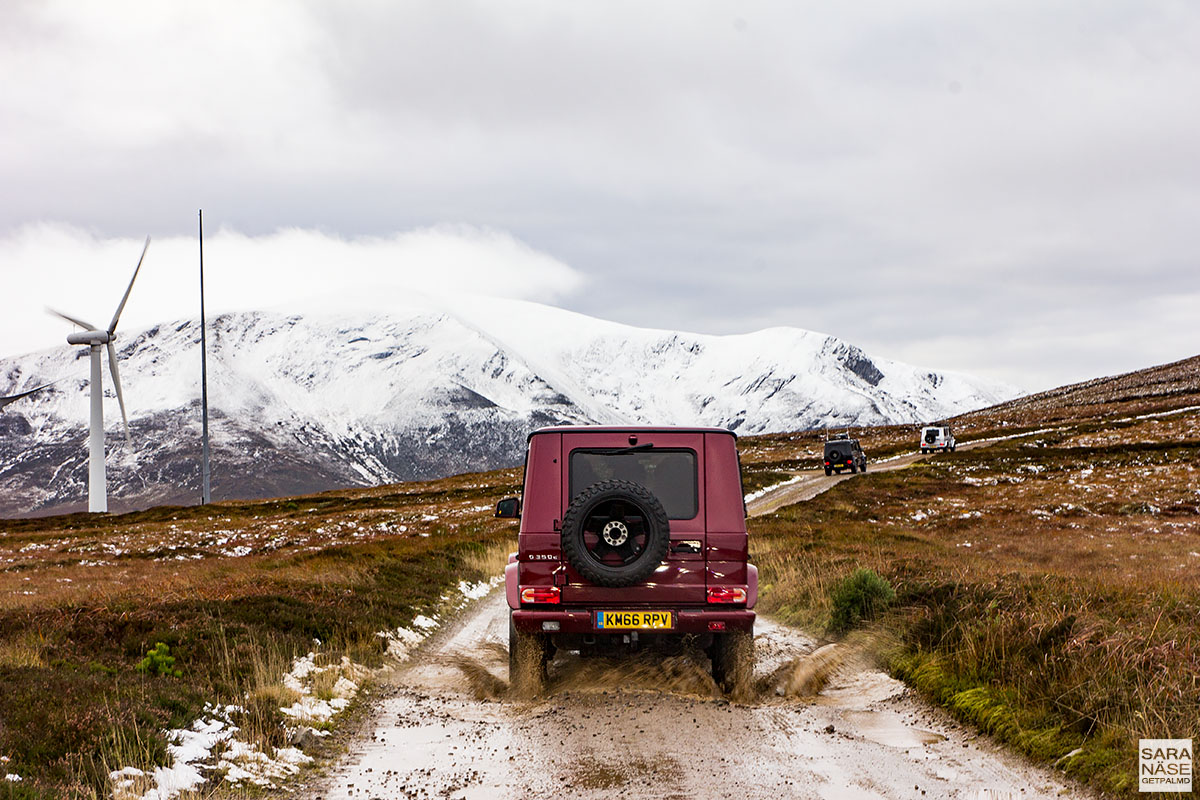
(95, 338)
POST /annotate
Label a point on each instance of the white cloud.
(84, 274)
(713, 166)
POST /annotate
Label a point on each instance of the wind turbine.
(95, 338)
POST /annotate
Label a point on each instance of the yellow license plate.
(634, 620)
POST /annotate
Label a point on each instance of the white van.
(935, 438)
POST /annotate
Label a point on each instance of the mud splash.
(687, 674)
(805, 676)
(481, 683)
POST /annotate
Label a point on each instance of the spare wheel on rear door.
(615, 533)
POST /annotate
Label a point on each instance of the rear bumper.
(582, 620)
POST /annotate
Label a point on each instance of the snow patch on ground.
(478, 591)
(1168, 413)
(761, 492)
(311, 707)
(210, 751)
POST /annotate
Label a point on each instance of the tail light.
(848, 461)
(541, 594)
(726, 594)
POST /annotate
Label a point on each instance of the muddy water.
(824, 727)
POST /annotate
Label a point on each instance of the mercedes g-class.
(630, 537)
(842, 452)
(937, 437)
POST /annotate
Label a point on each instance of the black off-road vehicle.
(842, 452)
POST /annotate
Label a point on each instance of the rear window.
(669, 474)
(844, 445)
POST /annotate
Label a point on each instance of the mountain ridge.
(306, 402)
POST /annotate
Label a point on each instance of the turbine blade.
(87, 326)
(116, 376)
(12, 398)
(113, 325)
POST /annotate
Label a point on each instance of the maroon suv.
(631, 537)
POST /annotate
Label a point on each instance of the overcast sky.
(1010, 189)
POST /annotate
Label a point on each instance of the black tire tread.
(657, 540)
(733, 664)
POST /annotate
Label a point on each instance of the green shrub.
(159, 661)
(857, 597)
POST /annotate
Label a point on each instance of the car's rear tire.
(853, 469)
(733, 664)
(527, 657)
(828, 471)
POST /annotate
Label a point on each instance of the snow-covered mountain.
(304, 403)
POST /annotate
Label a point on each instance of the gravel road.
(824, 726)
(813, 482)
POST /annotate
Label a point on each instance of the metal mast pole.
(206, 491)
(97, 483)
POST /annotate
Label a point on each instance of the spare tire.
(615, 533)
(836, 455)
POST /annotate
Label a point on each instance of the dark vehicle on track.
(842, 452)
(630, 538)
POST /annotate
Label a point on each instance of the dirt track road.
(658, 727)
(813, 482)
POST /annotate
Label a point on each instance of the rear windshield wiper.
(633, 449)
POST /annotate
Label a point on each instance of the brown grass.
(1049, 588)
(236, 590)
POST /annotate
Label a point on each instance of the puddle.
(861, 690)
(888, 728)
